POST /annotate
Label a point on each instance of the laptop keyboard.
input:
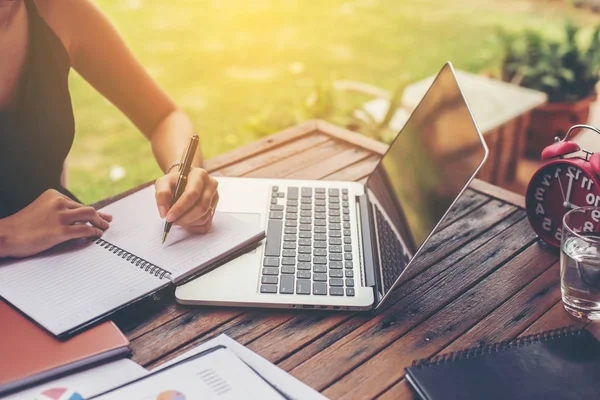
(308, 248)
(392, 253)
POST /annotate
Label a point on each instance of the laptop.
(346, 245)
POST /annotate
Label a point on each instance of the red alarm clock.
(561, 184)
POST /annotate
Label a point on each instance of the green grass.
(228, 63)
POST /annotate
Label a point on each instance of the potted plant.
(565, 69)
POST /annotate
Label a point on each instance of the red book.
(30, 355)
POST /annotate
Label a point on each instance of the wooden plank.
(268, 157)
(352, 137)
(361, 344)
(504, 323)
(432, 335)
(245, 328)
(334, 163)
(458, 234)
(555, 317)
(498, 193)
(299, 161)
(469, 201)
(355, 171)
(175, 333)
(259, 146)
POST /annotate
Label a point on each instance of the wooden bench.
(487, 280)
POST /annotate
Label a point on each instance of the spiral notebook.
(76, 284)
(559, 364)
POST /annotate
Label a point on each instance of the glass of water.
(580, 262)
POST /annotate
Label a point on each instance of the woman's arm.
(101, 56)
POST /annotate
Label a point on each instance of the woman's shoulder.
(64, 17)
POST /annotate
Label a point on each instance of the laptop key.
(335, 257)
(320, 268)
(319, 260)
(335, 241)
(303, 274)
(320, 216)
(304, 249)
(320, 245)
(306, 200)
(281, 195)
(336, 291)
(346, 217)
(349, 273)
(289, 238)
(320, 229)
(291, 216)
(289, 245)
(275, 188)
(320, 252)
(320, 190)
(290, 230)
(334, 192)
(348, 247)
(344, 191)
(345, 204)
(336, 282)
(304, 242)
(320, 222)
(320, 203)
(347, 240)
(288, 261)
(346, 225)
(346, 211)
(350, 291)
(303, 266)
(274, 200)
(303, 286)
(348, 264)
(320, 196)
(291, 209)
(292, 193)
(335, 249)
(336, 273)
(306, 207)
(271, 262)
(276, 215)
(320, 237)
(347, 256)
(335, 265)
(320, 277)
(305, 220)
(292, 203)
(347, 232)
(305, 227)
(290, 223)
(270, 271)
(268, 288)
(286, 269)
(305, 234)
(320, 209)
(335, 220)
(320, 288)
(350, 282)
(273, 242)
(289, 253)
(333, 206)
(334, 213)
(306, 192)
(286, 285)
(306, 213)
(277, 207)
(304, 257)
(335, 227)
(269, 279)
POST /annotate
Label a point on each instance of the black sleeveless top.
(36, 138)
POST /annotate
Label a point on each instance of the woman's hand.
(51, 219)
(195, 208)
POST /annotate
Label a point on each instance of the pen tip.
(164, 237)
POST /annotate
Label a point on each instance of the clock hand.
(566, 203)
(562, 190)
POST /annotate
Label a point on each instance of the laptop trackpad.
(248, 218)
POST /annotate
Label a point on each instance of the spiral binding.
(135, 260)
(499, 346)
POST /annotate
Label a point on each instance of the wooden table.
(485, 278)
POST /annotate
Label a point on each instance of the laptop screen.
(427, 166)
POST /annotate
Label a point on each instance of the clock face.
(556, 188)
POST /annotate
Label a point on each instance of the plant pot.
(554, 119)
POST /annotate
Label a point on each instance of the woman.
(40, 40)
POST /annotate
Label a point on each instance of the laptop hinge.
(371, 263)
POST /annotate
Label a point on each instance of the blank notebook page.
(138, 229)
(69, 286)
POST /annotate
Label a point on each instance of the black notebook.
(560, 364)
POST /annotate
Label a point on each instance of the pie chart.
(171, 395)
(59, 394)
